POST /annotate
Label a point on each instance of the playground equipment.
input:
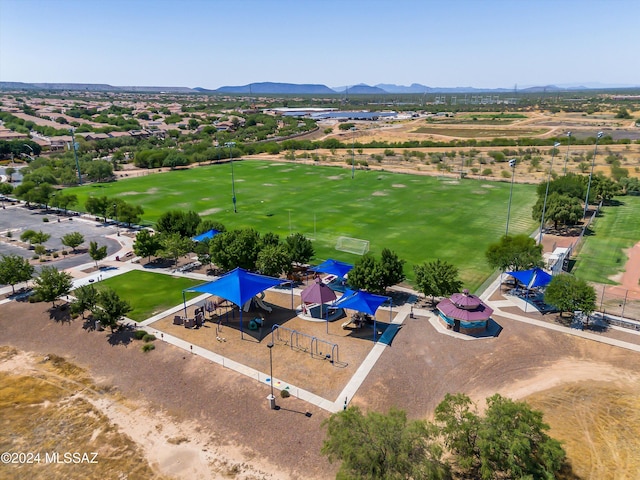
(259, 301)
(316, 347)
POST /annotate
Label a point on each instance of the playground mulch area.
(291, 366)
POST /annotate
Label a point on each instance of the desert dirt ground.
(195, 419)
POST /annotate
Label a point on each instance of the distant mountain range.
(274, 88)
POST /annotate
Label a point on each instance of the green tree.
(9, 171)
(72, 240)
(27, 235)
(86, 299)
(51, 284)
(38, 237)
(6, 188)
(437, 279)
(98, 206)
(569, 294)
(391, 268)
(178, 221)
(96, 252)
(510, 441)
(513, 442)
(366, 275)
(99, 170)
(560, 209)
(300, 248)
(236, 248)
(173, 246)
(110, 308)
(146, 244)
(205, 225)
(623, 113)
(14, 269)
(64, 200)
(274, 260)
(514, 252)
(379, 446)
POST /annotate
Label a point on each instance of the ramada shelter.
(464, 313)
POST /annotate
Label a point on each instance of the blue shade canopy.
(535, 277)
(333, 267)
(361, 301)
(206, 235)
(237, 286)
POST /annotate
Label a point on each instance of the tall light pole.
(75, 145)
(233, 182)
(271, 397)
(353, 151)
(512, 164)
(546, 193)
(115, 214)
(593, 162)
(567, 157)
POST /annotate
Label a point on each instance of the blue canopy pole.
(184, 301)
(375, 328)
(326, 315)
(241, 330)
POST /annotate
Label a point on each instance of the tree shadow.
(123, 335)
(60, 313)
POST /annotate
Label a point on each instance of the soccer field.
(614, 230)
(421, 218)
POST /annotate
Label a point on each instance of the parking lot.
(16, 219)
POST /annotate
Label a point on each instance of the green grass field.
(616, 229)
(421, 218)
(166, 292)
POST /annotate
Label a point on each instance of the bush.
(505, 174)
(55, 255)
(149, 338)
(45, 219)
(147, 347)
(9, 234)
(64, 252)
(139, 334)
(487, 172)
(285, 393)
(35, 257)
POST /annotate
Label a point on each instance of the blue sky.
(211, 43)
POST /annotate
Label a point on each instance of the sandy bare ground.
(225, 417)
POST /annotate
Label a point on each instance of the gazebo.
(464, 313)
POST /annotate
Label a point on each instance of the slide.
(263, 305)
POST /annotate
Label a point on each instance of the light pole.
(593, 162)
(353, 151)
(233, 183)
(546, 193)
(115, 214)
(567, 158)
(271, 397)
(75, 145)
(512, 164)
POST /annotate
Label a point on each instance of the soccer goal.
(352, 245)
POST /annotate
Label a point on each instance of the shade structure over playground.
(333, 267)
(362, 301)
(237, 286)
(206, 235)
(535, 277)
(318, 292)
